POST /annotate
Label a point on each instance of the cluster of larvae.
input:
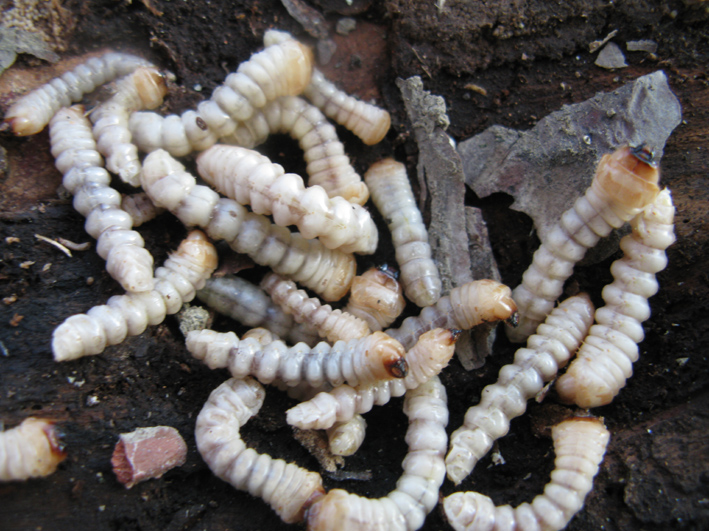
(337, 363)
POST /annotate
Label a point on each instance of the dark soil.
(531, 60)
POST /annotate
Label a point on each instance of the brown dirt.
(531, 60)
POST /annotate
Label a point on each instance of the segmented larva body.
(369, 122)
(623, 185)
(250, 305)
(605, 360)
(277, 71)
(140, 208)
(30, 450)
(333, 325)
(425, 360)
(252, 179)
(376, 297)
(392, 194)
(473, 303)
(143, 89)
(32, 112)
(358, 361)
(328, 166)
(579, 445)
(286, 487)
(328, 272)
(176, 282)
(345, 438)
(74, 149)
(555, 341)
(416, 494)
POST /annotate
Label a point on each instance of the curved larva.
(74, 149)
(252, 179)
(143, 89)
(328, 166)
(282, 70)
(176, 282)
(328, 272)
(358, 361)
(473, 303)
(392, 194)
(376, 297)
(604, 361)
(32, 112)
(345, 438)
(333, 325)
(623, 185)
(250, 305)
(416, 494)
(551, 347)
(286, 487)
(425, 360)
(369, 122)
(140, 208)
(579, 445)
(30, 450)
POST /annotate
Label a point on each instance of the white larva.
(473, 303)
(176, 282)
(623, 185)
(245, 302)
(369, 122)
(143, 89)
(328, 166)
(286, 487)
(392, 194)
(579, 445)
(252, 179)
(345, 438)
(30, 450)
(358, 361)
(376, 297)
(74, 149)
(274, 72)
(32, 112)
(416, 493)
(604, 361)
(425, 360)
(333, 325)
(555, 341)
(140, 208)
(328, 272)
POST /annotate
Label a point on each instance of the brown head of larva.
(629, 177)
(390, 353)
(197, 248)
(150, 86)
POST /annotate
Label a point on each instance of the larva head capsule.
(197, 248)
(376, 297)
(150, 86)
(628, 177)
(391, 353)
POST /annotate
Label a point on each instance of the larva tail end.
(379, 132)
(21, 126)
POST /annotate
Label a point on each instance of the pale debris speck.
(611, 57)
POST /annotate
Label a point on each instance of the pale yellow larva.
(143, 89)
(555, 341)
(416, 493)
(376, 297)
(176, 282)
(74, 149)
(252, 179)
(245, 302)
(425, 360)
(605, 360)
(333, 325)
(579, 445)
(286, 487)
(277, 71)
(30, 450)
(365, 360)
(392, 194)
(473, 303)
(624, 183)
(32, 112)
